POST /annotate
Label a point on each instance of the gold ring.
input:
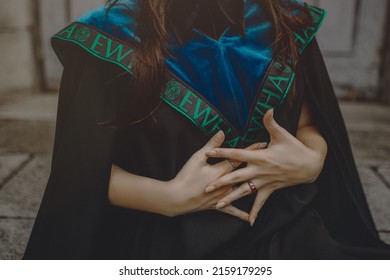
(233, 164)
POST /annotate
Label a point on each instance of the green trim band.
(209, 120)
(304, 37)
(277, 85)
(97, 43)
(198, 110)
(271, 94)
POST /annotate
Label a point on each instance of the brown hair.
(152, 19)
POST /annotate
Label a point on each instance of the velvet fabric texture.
(227, 71)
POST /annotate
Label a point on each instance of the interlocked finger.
(261, 197)
(230, 165)
(232, 178)
(252, 186)
(233, 164)
(226, 166)
(241, 191)
(233, 211)
(237, 193)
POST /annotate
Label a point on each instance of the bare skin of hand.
(287, 161)
(183, 194)
(188, 186)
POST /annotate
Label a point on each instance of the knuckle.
(230, 210)
(236, 155)
(228, 200)
(244, 216)
(264, 158)
(212, 142)
(234, 178)
(245, 192)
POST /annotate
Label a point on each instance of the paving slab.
(370, 145)
(18, 136)
(22, 195)
(9, 164)
(14, 234)
(368, 126)
(378, 197)
(42, 107)
(385, 237)
(384, 171)
(365, 115)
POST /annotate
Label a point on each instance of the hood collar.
(183, 15)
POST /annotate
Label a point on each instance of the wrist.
(174, 205)
(131, 191)
(164, 197)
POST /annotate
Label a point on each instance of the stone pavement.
(27, 132)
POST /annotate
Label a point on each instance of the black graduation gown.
(328, 219)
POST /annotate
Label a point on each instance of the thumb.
(216, 141)
(274, 129)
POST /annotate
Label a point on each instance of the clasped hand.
(285, 162)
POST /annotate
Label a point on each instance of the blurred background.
(355, 41)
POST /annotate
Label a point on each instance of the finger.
(274, 129)
(243, 190)
(235, 212)
(261, 197)
(225, 167)
(230, 165)
(213, 198)
(232, 178)
(257, 146)
(239, 155)
(233, 196)
(215, 141)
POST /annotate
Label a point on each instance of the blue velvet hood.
(226, 83)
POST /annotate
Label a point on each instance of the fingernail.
(210, 189)
(271, 114)
(211, 153)
(219, 135)
(263, 145)
(221, 205)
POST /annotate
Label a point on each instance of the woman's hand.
(286, 162)
(188, 187)
(184, 194)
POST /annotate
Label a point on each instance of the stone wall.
(18, 65)
(351, 39)
(55, 15)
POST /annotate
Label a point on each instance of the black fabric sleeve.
(76, 194)
(341, 199)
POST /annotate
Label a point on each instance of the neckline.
(196, 31)
(271, 93)
(210, 38)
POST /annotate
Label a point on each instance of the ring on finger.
(233, 164)
(252, 186)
